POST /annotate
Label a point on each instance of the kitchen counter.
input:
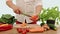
(14, 31)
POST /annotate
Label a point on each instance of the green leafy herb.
(50, 14)
(7, 18)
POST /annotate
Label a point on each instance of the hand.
(34, 18)
(17, 10)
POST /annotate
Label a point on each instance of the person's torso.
(27, 6)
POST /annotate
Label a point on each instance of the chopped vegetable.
(34, 18)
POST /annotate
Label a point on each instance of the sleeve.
(38, 2)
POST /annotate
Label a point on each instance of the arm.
(13, 6)
(38, 7)
(10, 4)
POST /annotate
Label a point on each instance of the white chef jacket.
(27, 7)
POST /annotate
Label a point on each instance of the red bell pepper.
(6, 27)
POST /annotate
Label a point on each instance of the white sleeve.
(38, 2)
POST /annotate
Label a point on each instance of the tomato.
(19, 30)
(34, 18)
(27, 30)
(24, 31)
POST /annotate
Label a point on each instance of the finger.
(15, 11)
(18, 11)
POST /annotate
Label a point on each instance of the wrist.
(35, 14)
(14, 8)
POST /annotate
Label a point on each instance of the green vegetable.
(42, 24)
(52, 13)
(7, 18)
(53, 27)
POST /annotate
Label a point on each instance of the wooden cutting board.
(14, 31)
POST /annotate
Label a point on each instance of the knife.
(26, 14)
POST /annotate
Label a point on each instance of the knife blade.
(26, 14)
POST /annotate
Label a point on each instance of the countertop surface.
(14, 31)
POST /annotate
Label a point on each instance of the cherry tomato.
(34, 18)
(19, 30)
(24, 31)
(27, 30)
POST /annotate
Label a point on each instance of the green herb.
(7, 18)
(42, 24)
(49, 14)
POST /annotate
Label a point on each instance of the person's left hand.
(34, 18)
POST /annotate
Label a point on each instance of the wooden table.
(14, 31)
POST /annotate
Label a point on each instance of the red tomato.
(34, 18)
(24, 31)
(19, 30)
(27, 30)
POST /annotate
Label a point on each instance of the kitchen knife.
(26, 14)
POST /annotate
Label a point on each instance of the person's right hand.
(17, 10)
